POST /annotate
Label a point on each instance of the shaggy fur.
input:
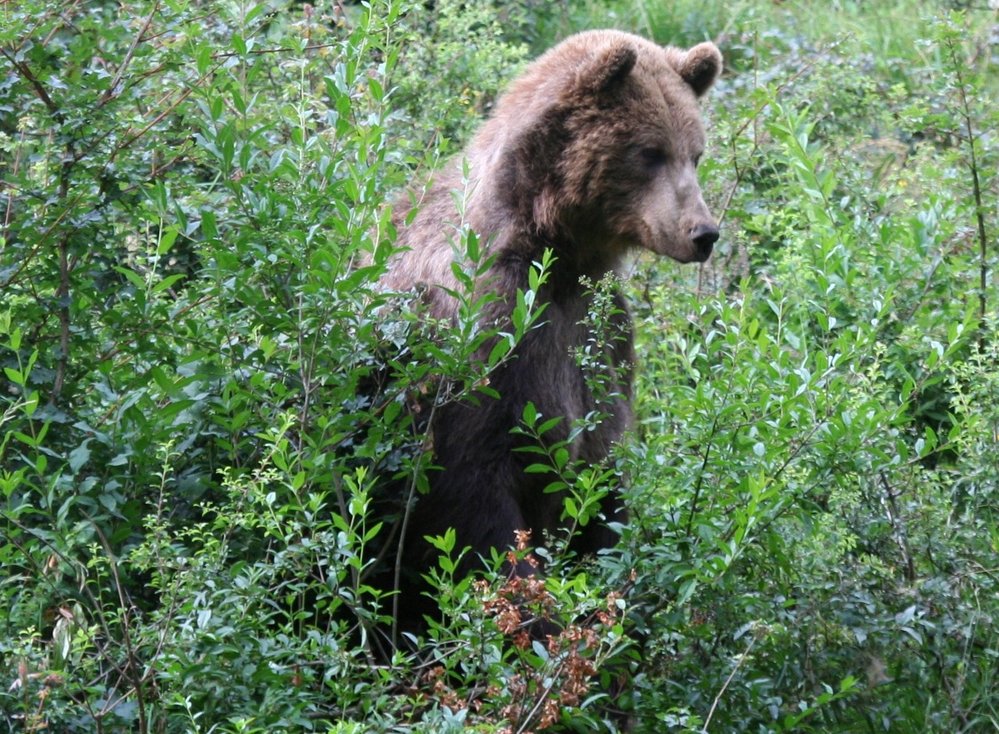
(591, 153)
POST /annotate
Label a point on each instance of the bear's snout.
(704, 237)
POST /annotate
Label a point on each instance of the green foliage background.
(203, 389)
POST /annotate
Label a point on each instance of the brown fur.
(591, 153)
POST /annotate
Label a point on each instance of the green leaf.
(166, 241)
(561, 457)
(79, 456)
(548, 425)
(538, 469)
(529, 414)
(14, 375)
(167, 282)
(372, 533)
(133, 277)
(501, 349)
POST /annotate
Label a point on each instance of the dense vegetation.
(203, 391)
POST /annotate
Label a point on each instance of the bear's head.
(601, 139)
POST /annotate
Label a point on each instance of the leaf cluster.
(214, 421)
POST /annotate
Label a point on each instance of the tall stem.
(969, 134)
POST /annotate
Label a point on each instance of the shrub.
(207, 396)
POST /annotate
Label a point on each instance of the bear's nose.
(704, 237)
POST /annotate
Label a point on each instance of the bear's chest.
(578, 366)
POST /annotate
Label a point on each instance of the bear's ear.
(607, 69)
(699, 66)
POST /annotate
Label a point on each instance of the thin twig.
(700, 476)
(132, 671)
(128, 141)
(278, 50)
(738, 664)
(898, 528)
(110, 93)
(62, 301)
(406, 513)
(32, 80)
(976, 186)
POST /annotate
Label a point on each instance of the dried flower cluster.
(523, 608)
(547, 666)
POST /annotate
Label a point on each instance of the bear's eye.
(653, 157)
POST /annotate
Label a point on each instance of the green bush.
(206, 394)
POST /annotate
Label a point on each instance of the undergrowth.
(205, 393)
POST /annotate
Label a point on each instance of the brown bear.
(592, 152)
